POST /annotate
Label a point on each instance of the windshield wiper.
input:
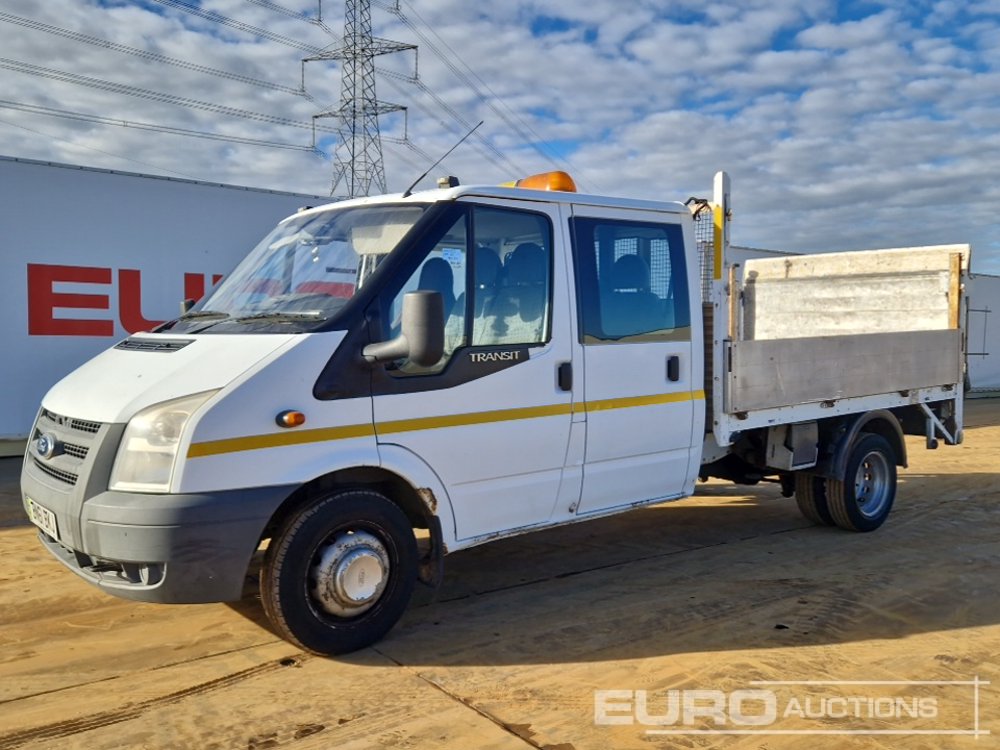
(282, 317)
(195, 314)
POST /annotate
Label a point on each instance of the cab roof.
(439, 195)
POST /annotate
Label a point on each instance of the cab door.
(642, 385)
(491, 419)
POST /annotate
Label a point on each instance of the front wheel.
(340, 572)
(861, 501)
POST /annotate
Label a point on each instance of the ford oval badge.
(46, 444)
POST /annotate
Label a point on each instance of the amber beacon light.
(559, 181)
(290, 418)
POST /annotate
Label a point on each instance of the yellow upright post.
(721, 221)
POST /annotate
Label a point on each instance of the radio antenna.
(409, 190)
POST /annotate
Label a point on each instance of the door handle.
(673, 368)
(565, 376)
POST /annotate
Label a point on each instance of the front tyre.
(339, 573)
(861, 501)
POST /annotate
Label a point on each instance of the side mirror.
(421, 339)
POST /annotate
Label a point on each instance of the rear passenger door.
(640, 392)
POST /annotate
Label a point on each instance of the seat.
(437, 276)
(517, 314)
(487, 279)
(487, 276)
(486, 272)
(631, 308)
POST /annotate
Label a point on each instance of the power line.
(294, 14)
(372, 47)
(83, 117)
(121, 88)
(77, 79)
(98, 150)
(145, 54)
(518, 124)
(448, 60)
(239, 25)
(496, 156)
(22, 67)
(283, 10)
(288, 41)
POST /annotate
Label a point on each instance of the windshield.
(310, 266)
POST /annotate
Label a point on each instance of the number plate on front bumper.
(43, 518)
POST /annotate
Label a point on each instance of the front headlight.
(145, 460)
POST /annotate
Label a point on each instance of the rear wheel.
(339, 573)
(861, 501)
(810, 495)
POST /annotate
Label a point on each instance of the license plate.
(43, 518)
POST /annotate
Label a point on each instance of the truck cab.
(380, 382)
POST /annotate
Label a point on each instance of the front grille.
(76, 451)
(84, 426)
(63, 476)
(80, 425)
(75, 440)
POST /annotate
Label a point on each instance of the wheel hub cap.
(871, 484)
(350, 574)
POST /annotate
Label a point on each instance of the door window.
(631, 281)
(512, 278)
(443, 270)
(496, 282)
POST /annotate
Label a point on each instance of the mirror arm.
(422, 335)
(386, 351)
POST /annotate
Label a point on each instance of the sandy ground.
(712, 593)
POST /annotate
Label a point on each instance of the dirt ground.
(715, 593)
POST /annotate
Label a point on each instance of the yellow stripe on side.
(632, 401)
(279, 440)
(283, 439)
(479, 417)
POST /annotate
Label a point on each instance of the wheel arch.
(420, 503)
(879, 422)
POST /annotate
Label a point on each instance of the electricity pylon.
(358, 156)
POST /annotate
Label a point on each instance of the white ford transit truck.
(383, 381)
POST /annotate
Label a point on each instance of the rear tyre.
(810, 495)
(339, 573)
(861, 501)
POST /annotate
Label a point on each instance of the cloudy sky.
(844, 125)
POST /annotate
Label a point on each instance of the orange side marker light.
(290, 418)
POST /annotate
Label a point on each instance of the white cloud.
(851, 34)
(840, 132)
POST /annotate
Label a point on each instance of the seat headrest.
(526, 265)
(630, 272)
(437, 276)
(487, 267)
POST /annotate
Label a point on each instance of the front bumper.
(181, 549)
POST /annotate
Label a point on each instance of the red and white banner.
(89, 256)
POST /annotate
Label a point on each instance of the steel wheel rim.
(348, 574)
(871, 484)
